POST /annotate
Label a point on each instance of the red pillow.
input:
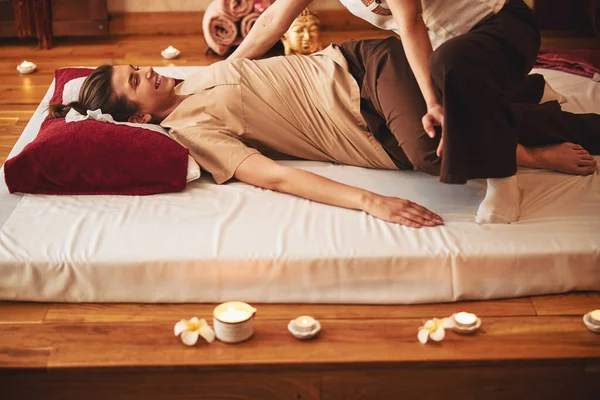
(92, 157)
(64, 75)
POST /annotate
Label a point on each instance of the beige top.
(444, 19)
(303, 106)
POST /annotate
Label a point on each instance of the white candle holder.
(232, 321)
(170, 53)
(465, 323)
(592, 321)
(304, 327)
(26, 67)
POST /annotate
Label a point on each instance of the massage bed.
(214, 243)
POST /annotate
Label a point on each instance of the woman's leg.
(544, 124)
(534, 90)
(474, 75)
(557, 140)
(529, 91)
(392, 103)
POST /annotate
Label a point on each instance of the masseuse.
(484, 50)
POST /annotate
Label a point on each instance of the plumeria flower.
(434, 329)
(190, 330)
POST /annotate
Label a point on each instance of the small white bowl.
(303, 335)
(587, 320)
(465, 330)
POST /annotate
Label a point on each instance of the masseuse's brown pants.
(490, 103)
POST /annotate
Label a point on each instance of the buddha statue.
(303, 36)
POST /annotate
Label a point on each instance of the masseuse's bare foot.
(568, 158)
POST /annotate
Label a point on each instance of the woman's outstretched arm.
(269, 28)
(258, 170)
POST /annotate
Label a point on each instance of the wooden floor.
(527, 348)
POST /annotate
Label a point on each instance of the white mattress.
(214, 243)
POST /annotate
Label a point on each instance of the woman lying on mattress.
(310, 107)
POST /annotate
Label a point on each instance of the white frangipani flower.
(434, 329)
(190, 330)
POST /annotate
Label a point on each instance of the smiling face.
(153, 93)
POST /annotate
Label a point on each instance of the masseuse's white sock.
(502, 202)
(550, 94)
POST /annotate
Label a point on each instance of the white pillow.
(71, 93)
(71, 90)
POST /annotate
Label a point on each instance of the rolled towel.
(236, 9)
(584, 62)
(247, 23)
(220, 31)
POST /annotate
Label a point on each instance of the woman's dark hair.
(97, 93)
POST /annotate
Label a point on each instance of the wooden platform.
(527, 348)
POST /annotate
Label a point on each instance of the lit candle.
(26, 67)
(465, 319)
(232, 315)
(305, 323)
(232, 321)
(170, 53)
(595, 316)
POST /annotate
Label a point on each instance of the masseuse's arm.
(258, 170)
(269, 28)
(417, 46)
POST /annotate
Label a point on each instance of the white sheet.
(216, 243)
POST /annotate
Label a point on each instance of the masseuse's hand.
(433, 118)
(401, 211)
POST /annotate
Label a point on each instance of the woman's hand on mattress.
(401, 211)
(433, 118)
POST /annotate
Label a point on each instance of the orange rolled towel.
(247, 23)
(236, 9)
(220, 31)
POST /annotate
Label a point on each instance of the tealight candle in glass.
(26, 67)
(170, 53)
(304, 327)
(592, 321)
(465, 319)
(305, 323)
(232, 321)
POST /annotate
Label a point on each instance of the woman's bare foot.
(568, 158)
